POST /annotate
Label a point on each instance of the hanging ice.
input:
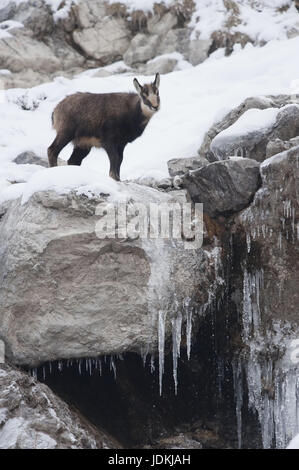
(161, 346)
(176, 347)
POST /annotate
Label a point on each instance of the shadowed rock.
(224, 187)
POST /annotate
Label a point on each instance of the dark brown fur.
(109, 120)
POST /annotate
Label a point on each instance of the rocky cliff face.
(73, 304)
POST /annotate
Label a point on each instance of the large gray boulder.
(106, 42)
(224, 187)
(66, 293)
(33, 417)
(21, 51)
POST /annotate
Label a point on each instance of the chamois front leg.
(120, 152)
(114, 158)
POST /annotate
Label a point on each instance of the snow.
(145, 5)
(182, 64)
(261, 20)
(278, 158)
(6, 26)
(66, 178)
(251, 121)
(191, 101)
(294, 444)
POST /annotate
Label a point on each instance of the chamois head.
(149, 95)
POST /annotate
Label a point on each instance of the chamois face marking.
(149, 95)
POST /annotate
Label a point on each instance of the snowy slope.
(191, 100)
(261, 20)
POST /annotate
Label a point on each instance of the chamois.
(107, 120)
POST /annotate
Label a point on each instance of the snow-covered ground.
(191, 101)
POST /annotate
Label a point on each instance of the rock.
(30, 158)
(160, 65)
(224, 187)
(22, 51)
(266, 246)
(278, 146)
(199, 50)
(142, 49)
(103, 295)
(176, 40)
(161, 26)
(181, 441)
(32, 417)
(88, 12)
(180, 166)
(7, 11)
(164, 183)
(106, 42)
(35, 15)
(248, 139)
(262, 102)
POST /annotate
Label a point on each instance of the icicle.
(161, 344)
(189, 330)
(44, 373)
(60, 366)
(113, 366)
(152, 364)
(248, 242)
(176, 347)
(238, 387)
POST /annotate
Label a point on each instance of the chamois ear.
(157, 80)
(137, 86)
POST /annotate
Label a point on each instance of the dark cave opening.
(123, 397)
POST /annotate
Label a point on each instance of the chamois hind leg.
(55, 148)
(79, 153)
